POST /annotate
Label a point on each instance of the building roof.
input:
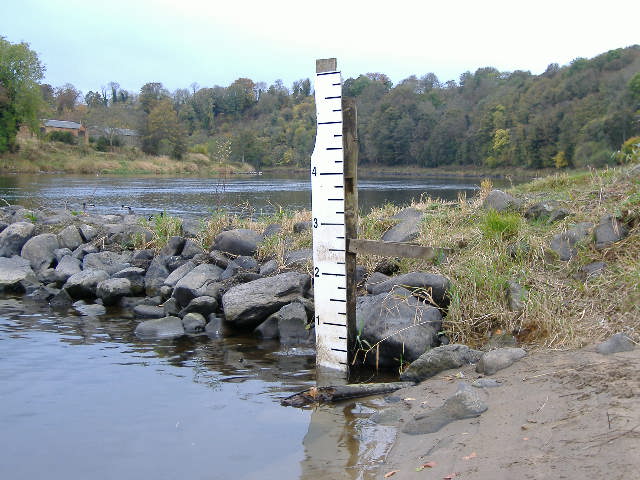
(62, 124)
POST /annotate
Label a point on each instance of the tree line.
(568, 116)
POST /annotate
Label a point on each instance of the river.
(83, 398)
(192, 196)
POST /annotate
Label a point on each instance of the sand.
(556, 415)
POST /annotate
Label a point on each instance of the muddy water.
(83, 398)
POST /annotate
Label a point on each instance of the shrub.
(63, 137)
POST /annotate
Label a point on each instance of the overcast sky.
(89, 43)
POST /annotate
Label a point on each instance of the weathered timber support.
(338, 393)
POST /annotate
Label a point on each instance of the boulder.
(89, 309)
(110, 262)
(135, 276)
(374, 280)
(404, 231)
(293, 325)
(516, 296)
(408, 213)
(61, 252)
(500, 201)
(400, 325)
(13, 238)
(268, 329)
(189, 286)
(193, 323)
(83, 284)
(142, 258)
(16, 274)
(148, 311)
(190, 249)
(616, 343)
(438, 360)
(298, 258)
(268, 268)
(498, 359)
(128, 235)
(249, 304)
(112, 289)
(219, 258)
(241, 241)
(246, 263)
(590, 270)
(84, 250)
(61, 300)
(387, 266)
(39, 250)
(178, 273)
(272, 229)
(173, 246)
(167, 327)
(215, 328)
(609, 231)
(171, 307)
(68, 266)
(88, 232)
(69, 237)
(204, 305)
(301, 227)
(157, 273)
(564, 243)
(431, 286)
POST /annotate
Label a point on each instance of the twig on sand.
(609, 440)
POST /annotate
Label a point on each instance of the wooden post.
(350, 151)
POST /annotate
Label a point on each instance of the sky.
(178, 42)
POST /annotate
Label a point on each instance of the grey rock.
(272, 229)
(361, 273)
(187, 288)
(191, 249)
(500, 340)
(193, 323)
(174, 262)
(41, 293)
(16, 274)
(519, 249)
(128, 235)
(171, 307)
(496, 360)
(516, 296)
(486, 383)
(539, 211)
(61, 300)
(215, 328)
(375, 279)
(148, 311)
(83, 284)
(129, 303)
(157, 273)
(404, 231)
(433, 285)
(112, 289)
(231, 270)
(246, 263)
(609, 231)
(69, 237)
(68, 266)
(60, 253)
(301, 227)
(219, 258)
(167, 327)
(247, 305)
(500, 201)
(238, 242)
(178, 273)
(204, 305)
(173, 246)
(564, 243)
(298, 258)
(591, 270)
(135, 276)
(616, 343)
(558, 214)
(84, 250)
(110, 262)
(292, 325)
(402, 326)
(191, 227)
(142, 258)
(39, 251)
(13, 238)
(89, 309)
(87, 232)
(465, 403)
(408, 213)
(268, 268)
(268, 329)
(438, 360)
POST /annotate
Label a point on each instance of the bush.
(64, 137)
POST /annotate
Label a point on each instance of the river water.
(199, 196)
(83, 398)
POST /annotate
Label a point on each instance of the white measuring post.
(330, 270)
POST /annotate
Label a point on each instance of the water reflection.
(80, 391)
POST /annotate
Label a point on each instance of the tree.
(162, 126)
(66, 97)
(20, 94)
(150, 95)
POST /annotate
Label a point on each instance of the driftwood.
(337, 393)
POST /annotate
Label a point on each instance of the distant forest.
(568, 116)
